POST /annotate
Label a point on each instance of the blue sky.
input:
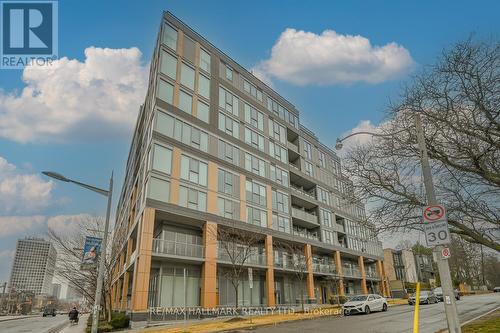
(247, 31)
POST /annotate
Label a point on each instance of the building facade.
(33, 267)
(213, 148)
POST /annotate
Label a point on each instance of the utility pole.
(450, 306)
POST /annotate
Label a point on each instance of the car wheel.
(367, 309)
(384, 307)
(346, 313)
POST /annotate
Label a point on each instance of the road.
(399, 319)
(34, 324)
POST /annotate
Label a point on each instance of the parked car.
(426, 297)
(49, 311)
(364, 304)
(439, 294)
(496, 290)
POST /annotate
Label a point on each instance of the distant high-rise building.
(56, 290)
(33, 267)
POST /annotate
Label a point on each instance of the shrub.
(119, 320)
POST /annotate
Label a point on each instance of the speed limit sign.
(436, 225)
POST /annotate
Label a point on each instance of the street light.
(443, 266)
(100, 276)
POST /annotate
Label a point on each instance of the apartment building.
(213, 148)
(33, 267)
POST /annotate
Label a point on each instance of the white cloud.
(20, 225)
(76, 101)
(356, 140)
(22, 192)
(303, 58)
(67, 224)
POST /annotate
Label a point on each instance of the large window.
(229, 153)
(307, 150)
(187, 76)
(180, 286)
(328, 237)
(252, 90)
(168, 65)
(255, 193)
(281, 223)
(228, 125)
(181, 131)
(204, 60)
(280, 201)
(254, 117)
(162, 159)
(228, 102)
(170, 36)
(326, 218)
(255, 165)
(185, 102)
(193, 170)
(279, 175)
(322, 159)
(227, 183)
(204, 86)
(202, 111)
(323, 196)
(308, 168)
(277, 131)
(256, 216)
(165, 91)
(254, 139)
(228, 208)
(192, 198)
(158, 189)
(278, 152)
(229, 73)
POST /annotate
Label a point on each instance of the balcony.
(372, 274)
(351, 272)
(324, 268)
(167, 247)
(304, 218)
(303, 232)
(257, 259)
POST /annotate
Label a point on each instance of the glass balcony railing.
(372, 274)
(327, 268)
(161, 246)
(304, 216)
(252, 259)
(351, 272)
(311, 193)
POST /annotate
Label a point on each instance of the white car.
(364, 304)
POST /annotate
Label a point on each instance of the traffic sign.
(436, 225)
(445, 253)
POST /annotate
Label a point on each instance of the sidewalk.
(6, 318)
(80, 328)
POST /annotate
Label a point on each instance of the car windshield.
(358, 298)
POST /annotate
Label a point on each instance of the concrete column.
(338, 265)
(269, 194)
(361, 264)
(142, 267)
(243, 194)
(212, 188)
(125, 290)
(209, 295)
(387, 287)
(271, 299)
(381, 286)
(175, 175)
(310, 276)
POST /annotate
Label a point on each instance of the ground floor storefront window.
(287, 289)
(175, 285)
(246, 296)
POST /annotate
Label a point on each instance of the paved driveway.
(399, 319)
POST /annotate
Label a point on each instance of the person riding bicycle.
(73, 314)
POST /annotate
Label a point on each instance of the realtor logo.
(28, 33)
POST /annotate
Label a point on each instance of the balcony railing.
(351, 272)
(372, 274)
(253, 259)
(169, 247)
(327, 268)
(306, 234)
(304, 216)
(292, 147)
(311, 193)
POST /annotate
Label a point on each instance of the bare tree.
(296, 259)
(458, 99)
(237, 247)
(69, 248)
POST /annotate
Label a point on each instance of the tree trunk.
(302, 295)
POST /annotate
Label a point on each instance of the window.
(228, 208)
(226, 183)
(168, 65)
(204, 61)
(281, 223)
(165, 91)
(255, 193)
(162, 159)
(254, 117)
(193, 170)
(252, 90)
(326, 218)
(204, 86)
(185, 102)
(255, 165)
(278, 152)
(293, 120)
(256, 216)
(323, 196)
(158, 189)
(187, 76)
(307, 150)
(229, 152)
(322, 160)
(309, 168)
(202, 111)
(228, 102)
(254, 139)
(279, 175)
(276, 131)
(280, 201)
(228, 125)
(327, 236)
(170, 36)
(229, 73)
(192, 198)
